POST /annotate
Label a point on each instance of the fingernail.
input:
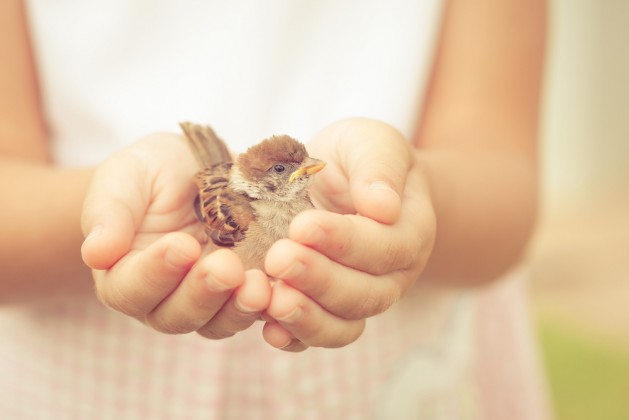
(217, 285)
(245, 309)
(289, 342)
(96, 231)
(381, 185)
(293, 316)
(293, 271)
(313, 236)
(176, 258)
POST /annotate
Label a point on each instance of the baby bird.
(248, 203)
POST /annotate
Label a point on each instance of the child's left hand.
(341, 266)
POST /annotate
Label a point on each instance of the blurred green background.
(579, 258)
(588, 374)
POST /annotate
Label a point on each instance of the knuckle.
(347, 335)
(376, 299)
(214, 332)
(384, 262)
(365, 307)
(396, 255)
(168, 326)
(341, 244)
(120, 300)
(295, 346)
(393, 254)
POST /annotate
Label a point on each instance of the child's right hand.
(148, 252)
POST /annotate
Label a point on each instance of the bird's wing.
(225, 214)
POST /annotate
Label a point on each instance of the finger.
(280, 338)
(140, 281)
(370, 246)
(242, 309)
(110, 234)
(308, 322)
(343, 291)
(202, 293)
(112, 209)
(359, 242)
(376, 159)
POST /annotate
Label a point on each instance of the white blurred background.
(579, 258)
(587, 100)
(581, 252)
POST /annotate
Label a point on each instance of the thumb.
(112, 211)
(377, 159)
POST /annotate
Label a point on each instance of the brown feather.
(244, 204)
(225, 215)
(256, 161)
(208, 148)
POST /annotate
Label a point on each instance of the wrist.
(42, 218)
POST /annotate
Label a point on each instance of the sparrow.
(248, 203)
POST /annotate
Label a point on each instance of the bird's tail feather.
(208, 148)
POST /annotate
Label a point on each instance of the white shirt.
(113, 71)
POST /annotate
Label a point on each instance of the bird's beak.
(310, 167)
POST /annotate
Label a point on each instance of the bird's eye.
(279, 168)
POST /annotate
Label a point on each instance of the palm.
(142, 194)
(169, 192)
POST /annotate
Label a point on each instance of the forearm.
(485, 204)
(477, 139)
(40, 231)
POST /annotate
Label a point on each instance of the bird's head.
(278, 168)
